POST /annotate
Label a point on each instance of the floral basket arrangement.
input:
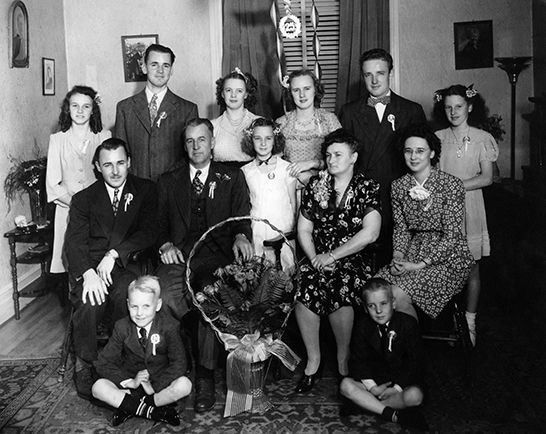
(28, 177)
(248, 306)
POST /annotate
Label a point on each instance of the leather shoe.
(120, 416)
(84, 382)
(307, 382)
(167, 414)
(205, 394)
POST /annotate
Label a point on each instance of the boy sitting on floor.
(141, 364)
(386, 361)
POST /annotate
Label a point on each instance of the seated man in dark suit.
(376, 120)
(110, 219)
(152, 121)
(191, 200)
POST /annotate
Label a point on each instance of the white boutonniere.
(154, 339)
(162, 116)
(223, 177)
(127, 198)
(419, 192)
(391, 119)
(212, 187)
(392, 336)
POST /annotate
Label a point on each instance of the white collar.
(204, 172)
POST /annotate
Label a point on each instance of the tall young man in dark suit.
(191, 200)
(152, 121)
(108, 220)
(376, 120)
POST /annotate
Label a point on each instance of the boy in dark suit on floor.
(386, 360)
(140, 366)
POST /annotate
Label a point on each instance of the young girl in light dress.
(69, 159)
(468, 153)
(272, 188)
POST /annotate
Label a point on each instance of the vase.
(38, 209)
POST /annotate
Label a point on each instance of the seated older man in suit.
(191, 200)
(108, 220)
(152, 121)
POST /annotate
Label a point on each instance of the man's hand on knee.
(94, 288)
(170, 254)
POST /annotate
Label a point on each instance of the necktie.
(143, 338)
(197, 184)
(115, 202)
(153, 109)
(384, 336)
(372, 102)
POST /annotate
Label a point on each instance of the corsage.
(392, 336)
(154, 339)
(128, 198)
(212, 187)
(391, 119)
(419, 192)
(162, 116)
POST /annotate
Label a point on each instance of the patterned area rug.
(476, 393)
(20, 380)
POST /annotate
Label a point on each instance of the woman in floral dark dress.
(431, 260)
(339, 218)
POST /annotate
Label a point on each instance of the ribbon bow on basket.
(248, 306)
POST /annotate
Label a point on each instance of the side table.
(39, 254)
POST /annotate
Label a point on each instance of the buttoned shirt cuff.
(124, 383)
(368, 384)
(397, 387)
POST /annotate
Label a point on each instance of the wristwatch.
(111, 253)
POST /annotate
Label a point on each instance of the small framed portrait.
(18, 35)
(473, 44)
(48, 76)
(133, 48)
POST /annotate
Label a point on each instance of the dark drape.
(364, 24)
(249, 43)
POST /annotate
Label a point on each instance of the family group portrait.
(285, 216)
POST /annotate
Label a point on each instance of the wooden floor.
(39, 332)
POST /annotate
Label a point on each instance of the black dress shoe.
(167, 414)
(84, 382)
(307, 382)
(120, 416)
(205, 394)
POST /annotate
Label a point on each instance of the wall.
(27, 116)
(94, 47)
(427, 59)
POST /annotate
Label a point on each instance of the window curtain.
(249, 43)
(364, 25)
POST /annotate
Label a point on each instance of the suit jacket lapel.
(102, 209)
(182, 195)
(141, 111)
(385, 132)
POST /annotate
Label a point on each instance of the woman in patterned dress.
(431, 260)
(305, 125)
(339, 218)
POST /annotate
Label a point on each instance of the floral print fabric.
(324, 293)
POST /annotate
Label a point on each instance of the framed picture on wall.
(473, 44)
(133, 48)
(18, 35)
(48, 76)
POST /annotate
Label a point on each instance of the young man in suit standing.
(376, 120)
(191, 200)
(110, 219)
(152, 121)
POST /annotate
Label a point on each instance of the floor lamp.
(513, 66)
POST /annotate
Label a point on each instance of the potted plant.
(28, 176)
